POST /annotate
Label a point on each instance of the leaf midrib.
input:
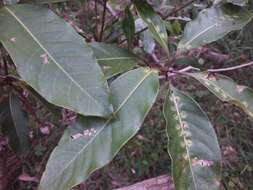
(187, 150)
(230, 99)
(199, 34)
(159, 36)
(214, 84)
(107, 122)
(51, 57)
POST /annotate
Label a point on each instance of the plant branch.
(188, 69)
(11, 81)
(103, 21)
(5, 66)
(165, 17)
(96, 13)
(230, 68)
(29, 107)
(179, 9)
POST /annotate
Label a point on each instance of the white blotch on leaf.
(89, 132)
(45, 59)
(76, 136)
(203, 163)
(240, 88)
(212, 78)
(107, 67)
(13, 39)
(185, 125)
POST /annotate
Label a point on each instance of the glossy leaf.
(146, 38)
(128, 26)
(93, 142)
(155, 23)
(212, 24)
(227, 90)
(114, 60)
(235, 2)
(54, 60)
(14, 124)
(192, 144)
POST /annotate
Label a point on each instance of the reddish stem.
(230, 68)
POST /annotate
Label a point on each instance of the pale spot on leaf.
(185, 125)
(240, 88)
(13, 39)
(89, 132)
(76, 136)
(107, 67)
(45, 59)
(211, 77)
(203, 163)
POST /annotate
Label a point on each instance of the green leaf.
(114, 60)
(54, 60)
(212, 24)
(227, 90)
(155, 24)
(193, 145)
(173, 27)
(235, 2)
(14, 124)
(93, 142)
(145, 36)
(128, 26)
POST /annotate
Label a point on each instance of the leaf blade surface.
(54, 60)
(92, 143)
(212, 24)
(192, 144)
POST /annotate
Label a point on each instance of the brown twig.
(103, 21)
(178, 9)
(165, 17)
(11, 81)
(6, 72)
(29, 107)
(96, 13)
